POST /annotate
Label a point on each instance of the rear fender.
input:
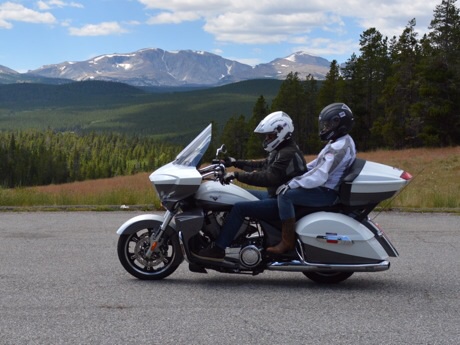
(144, 221)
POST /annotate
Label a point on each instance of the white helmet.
(277, 127)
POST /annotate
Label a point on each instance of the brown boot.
(287, 238)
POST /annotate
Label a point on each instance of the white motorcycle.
(332, 243)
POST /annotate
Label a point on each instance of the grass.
(103, 194)
(435, 186)
(436, 177)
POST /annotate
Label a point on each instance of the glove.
(229, 162)
(230, 176)
(282, 189)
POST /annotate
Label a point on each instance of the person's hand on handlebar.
(228, 177)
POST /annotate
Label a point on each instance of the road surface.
(61, 283)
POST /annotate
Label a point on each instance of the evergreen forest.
(404, 92)
(33, 157)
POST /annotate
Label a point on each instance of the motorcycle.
(331, 243)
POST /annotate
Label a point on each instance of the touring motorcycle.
(331, 243)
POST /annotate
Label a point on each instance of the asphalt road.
(61, 283)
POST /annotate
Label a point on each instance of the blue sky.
(37, 33)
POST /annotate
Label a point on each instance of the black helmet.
(335, 121)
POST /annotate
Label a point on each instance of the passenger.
(319, 186)
(284, 161)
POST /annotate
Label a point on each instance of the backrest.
(354, 170)
(345, 186)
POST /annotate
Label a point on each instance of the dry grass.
(117, 191)
(436, 176)
(436, 184)
(138, 183)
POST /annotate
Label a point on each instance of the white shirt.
(328, 168)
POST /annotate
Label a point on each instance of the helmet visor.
(329, 125)
(269, 137)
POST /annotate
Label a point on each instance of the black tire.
(328, 277)
(164, 261)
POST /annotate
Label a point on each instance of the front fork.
(156, 235)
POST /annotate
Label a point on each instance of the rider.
(319, 186)
(285, 161)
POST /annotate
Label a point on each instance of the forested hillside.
(104, 107)
(93, 129)
(28, 96)
(32, 157)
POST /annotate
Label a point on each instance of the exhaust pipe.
(303, 266)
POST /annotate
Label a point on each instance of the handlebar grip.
(220, 172)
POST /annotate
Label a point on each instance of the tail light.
(406, 176)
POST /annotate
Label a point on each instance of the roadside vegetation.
(435, 186)
(436, 177)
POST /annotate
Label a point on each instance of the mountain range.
(161, 68)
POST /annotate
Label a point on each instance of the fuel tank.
(212, 195)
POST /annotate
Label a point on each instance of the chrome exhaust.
(303, 266)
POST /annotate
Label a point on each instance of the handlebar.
(215, 171)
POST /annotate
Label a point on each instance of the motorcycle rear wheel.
(163, 262)
(328, 277)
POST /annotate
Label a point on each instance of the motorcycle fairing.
(179, 179)
(175, 182)
(189, 224)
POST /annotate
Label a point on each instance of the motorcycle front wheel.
(132, 249)
(328, 277)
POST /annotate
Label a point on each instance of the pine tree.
(292, 99)
(310, 135)
(440, 78)
(365, 77)
(235, 136)
(254, 147)
(396, 127)
(332, 89)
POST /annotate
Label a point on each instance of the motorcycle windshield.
(192, 154)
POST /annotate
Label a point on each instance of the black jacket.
(279, 167)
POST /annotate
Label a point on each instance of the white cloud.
(14, 12)
(46, 5)
(202, 6)
(173, 18)
(268, 21)
(259, 29)
(328, 47)
(102, 29)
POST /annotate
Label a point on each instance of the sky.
(37, 33)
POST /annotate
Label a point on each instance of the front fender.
(143, 221)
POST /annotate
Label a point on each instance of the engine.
(250, 256)
(246, 249)
(213, 222)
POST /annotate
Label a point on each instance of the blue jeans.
(314, 197)
(259, 194)
(266, 209)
